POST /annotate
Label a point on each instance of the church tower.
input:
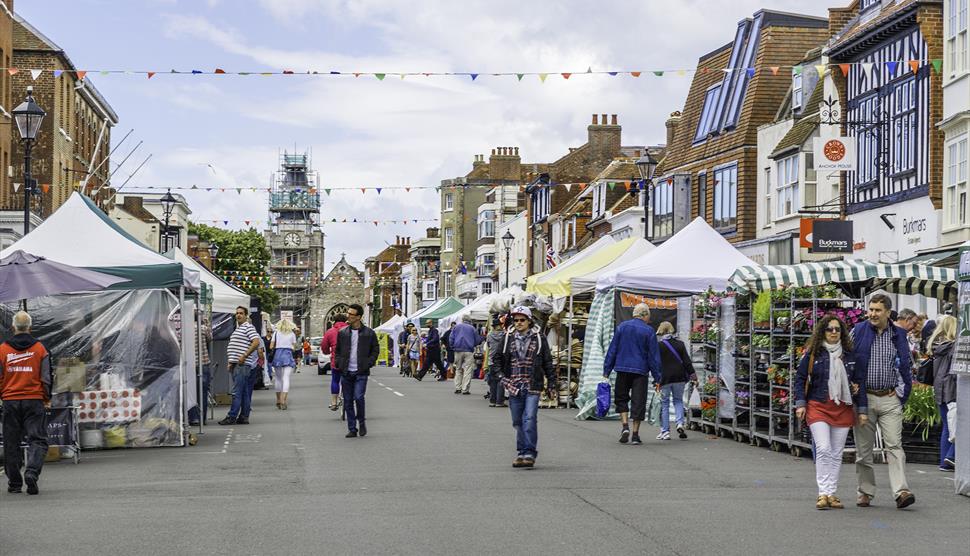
(294, 236)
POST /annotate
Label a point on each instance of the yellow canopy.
(555, 281)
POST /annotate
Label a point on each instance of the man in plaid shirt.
(525, 370)
(882, 349)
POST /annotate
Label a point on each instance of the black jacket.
(367, 349)
(673, 371)
(542, 367)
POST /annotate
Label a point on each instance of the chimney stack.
(603, 137)
(613, 119)
(596, 120)
(672, 123)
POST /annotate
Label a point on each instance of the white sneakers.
(664, 435)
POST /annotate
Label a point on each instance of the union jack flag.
(550, 258)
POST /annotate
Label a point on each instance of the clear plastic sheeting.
(116, 356)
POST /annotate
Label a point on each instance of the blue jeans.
(947, 449)
(204, 402)
(242, 391)
(354, 387)
(675, 390)
(525, 408)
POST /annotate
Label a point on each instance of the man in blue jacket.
(633, 353)
(882, 351)
(462, 342)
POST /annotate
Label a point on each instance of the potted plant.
(761, 311)
(921, 410)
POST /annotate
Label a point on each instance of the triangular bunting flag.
(379, 76)
(891, 66)
(774, 70)
(566, 75)
(820, 69)
(543, 76)
(611, 185)
(34, 74)
(375, 222)
(356, 74)
(239, 191)
(937, 64)
(613, 73)
(658, 73)
(363, 190)
(151, 74)
(796, 70)
(867, 67)
(327, 191)
(246, 221)
(727, 70)
(16, 187)
(219, 71)
(914, 65)
(582, 186)
(474, 76)
(635, 73)
(408, 189)
(379, 190)
(681, 73)
(12, 71)
(519, 76)
(750, 72)
(568, 186)
(225, 222)
(57, 73)
(287, 72)
(81, 74)
(845, 69)
(196, 72)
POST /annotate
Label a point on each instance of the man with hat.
(525, 370)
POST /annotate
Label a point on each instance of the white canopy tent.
(587, 282)
(693, 260)
(477, 310)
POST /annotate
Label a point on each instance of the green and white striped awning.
(903, 278)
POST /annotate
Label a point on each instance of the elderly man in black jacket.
(357, 351)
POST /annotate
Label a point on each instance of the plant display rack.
(743, 370)
(776, 349)
(704, 347)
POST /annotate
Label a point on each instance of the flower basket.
(710, 385)
(780, 400)
(742, 398)
(778, 375)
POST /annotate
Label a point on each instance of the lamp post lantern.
(646, 166)
(28, 116)
(507, 240)
(168, 205)
(213, 253)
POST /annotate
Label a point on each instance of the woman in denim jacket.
(834, 387)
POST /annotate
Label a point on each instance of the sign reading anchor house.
(835, 154)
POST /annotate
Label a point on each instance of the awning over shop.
(909, 279)
(557, 282)
(80, 234)
(947, 258)
(446, 307)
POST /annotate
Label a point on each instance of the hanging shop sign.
(831, 236)
(835, 154)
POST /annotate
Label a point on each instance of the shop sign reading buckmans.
(831, 236)
(835, 154)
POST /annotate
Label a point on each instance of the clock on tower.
(291, 239)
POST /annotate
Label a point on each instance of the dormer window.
(706, 124)
(796, 91)
(867, 5)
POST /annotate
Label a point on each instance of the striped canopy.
(903, 278)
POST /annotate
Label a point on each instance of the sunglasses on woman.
(833, 329)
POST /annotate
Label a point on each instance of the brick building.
(712, 144)
(73, 143)
(548, 193)
(382, 277)
(6, 98)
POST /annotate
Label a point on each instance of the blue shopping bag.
(603, 400)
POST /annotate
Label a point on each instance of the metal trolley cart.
(62, 430)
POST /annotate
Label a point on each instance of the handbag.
(603, 398)
(654, 408)
(925, 373)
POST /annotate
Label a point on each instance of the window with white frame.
(768, 196)
(449, 201)
(541, 198)
(955, 190)
(448, 277)
(702, 195)
(449, 239)
(486, 224)
(957, 37)
(787, 189)
(663, 209)
(904, 126)
(796, 91)
(428, 291)
(726, 197)
(707, 122)
(486, 287)
(486, 264)
(599, 199)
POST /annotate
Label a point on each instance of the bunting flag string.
(378, 188)
(543, 76)
(324, 222)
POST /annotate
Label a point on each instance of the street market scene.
(272, 287)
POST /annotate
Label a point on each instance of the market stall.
(777, 307)
(692, 261)
(121, 355)
(477, 311)
(387, 334)
(434, 313)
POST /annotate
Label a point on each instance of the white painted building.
(142, 216)
(956, 122)
(517, 264)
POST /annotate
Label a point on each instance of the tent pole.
(182, 369)
(200, 399)
(569, 351)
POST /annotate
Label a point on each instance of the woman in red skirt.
(830, 394)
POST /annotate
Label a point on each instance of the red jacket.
(25, 369)
(329, 343)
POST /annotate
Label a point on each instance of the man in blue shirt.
(462, 342)
(634, 354)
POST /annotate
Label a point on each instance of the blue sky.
(228, 130)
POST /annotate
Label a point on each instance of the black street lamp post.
(168, 205)
(507, 240)
(646, 166)
(28, 116)
(213, 253)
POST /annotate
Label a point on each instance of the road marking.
(399, 394)
(389, 388)
(381, 384)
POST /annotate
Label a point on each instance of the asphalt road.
(434, 476)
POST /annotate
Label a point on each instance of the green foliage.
(762, 307)
(921, 409)
(243, 250)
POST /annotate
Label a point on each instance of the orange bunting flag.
(774, 70)
(914, 65)
(635, 73)
(566, 75)
(81, 74)
(45, 187)
(219, 70)
(582, 186)
(363, 190)
(150, 74)
(12, 71)
(845, 69)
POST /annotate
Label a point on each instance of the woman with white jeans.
(829, 394)
(676, 370)
(284, 340)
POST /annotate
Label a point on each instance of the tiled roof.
(796, 136)
(856, 29)
(619, 169)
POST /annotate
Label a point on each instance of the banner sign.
(835, 154)
(60, 427)
(831, 236)
(661, 308)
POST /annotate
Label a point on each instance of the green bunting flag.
(658, 73)
(380, 76)
(937, 64)
(519, 76)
